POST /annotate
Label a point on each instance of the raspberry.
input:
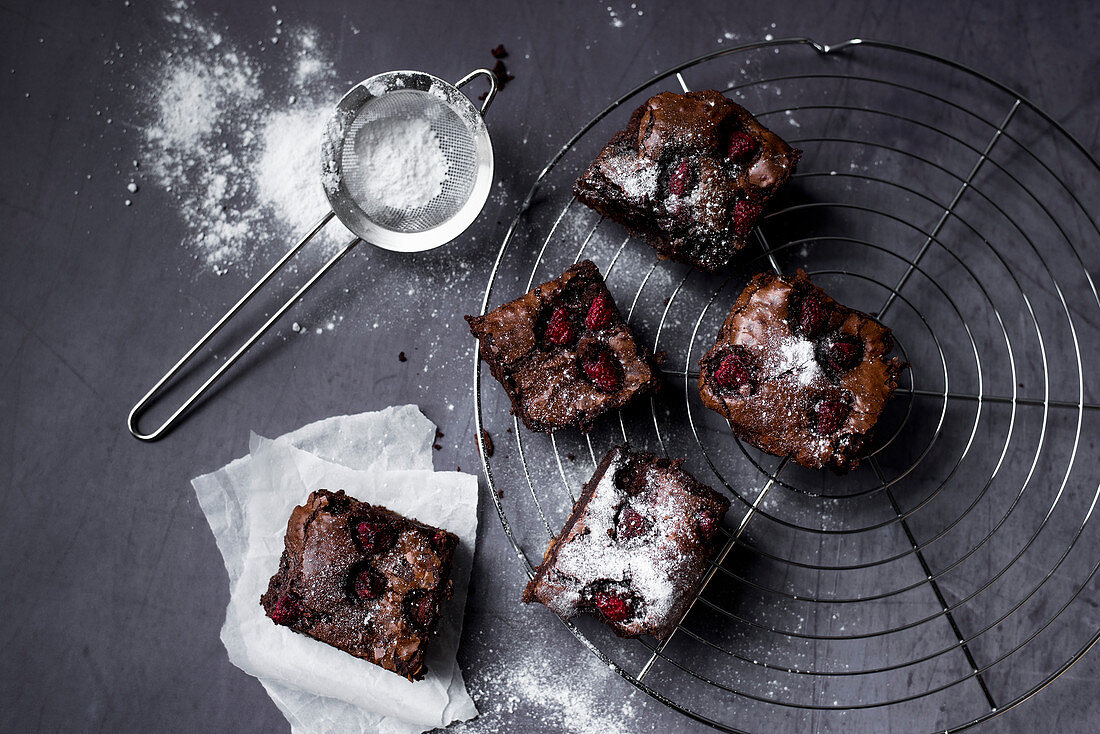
(708, 524)
(631, 524)
(439, 541)
(420, 607)
(375, 536)
(679, 181)
(844, 354)
(745, 214)
(811, 315)
(600, 312)
(742, 145)
(612, 606)
(286, 610)
(734, 371)
(559, 330)
(829, 416)
(368, 584)
(603, 372)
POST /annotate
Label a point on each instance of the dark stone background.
(114, 591)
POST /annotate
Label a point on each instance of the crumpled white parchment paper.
(384, 458)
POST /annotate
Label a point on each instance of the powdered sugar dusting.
(635, 175)
(654, 569)
(531, 687)
(796, 355)
(243, 165)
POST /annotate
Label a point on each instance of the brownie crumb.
(500, 71)
(401, 357)
(499, 52)
(437, 447)
(488, 440)
(571, 456)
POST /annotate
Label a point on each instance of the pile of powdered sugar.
(242, 164)
(401, 164)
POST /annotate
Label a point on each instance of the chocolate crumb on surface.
(401, 357)
(500, 71)
(488, 440)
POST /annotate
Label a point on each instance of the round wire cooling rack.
(952, 575)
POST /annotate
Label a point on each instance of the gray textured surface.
(114, 590)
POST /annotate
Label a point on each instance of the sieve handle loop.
(493, 86)
(140, 407)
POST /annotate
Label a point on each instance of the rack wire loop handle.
(140, 407)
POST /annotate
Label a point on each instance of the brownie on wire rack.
(564, 353)
(635, 549)
(799, 375)
(691, 173)
(363, 579)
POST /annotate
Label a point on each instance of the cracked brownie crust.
(363, 579)
(691, 173)
(797, 374)
(564, 353)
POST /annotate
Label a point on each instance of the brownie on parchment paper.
(363, 579)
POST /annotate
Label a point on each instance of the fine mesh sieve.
(460, 132)
(462, 137)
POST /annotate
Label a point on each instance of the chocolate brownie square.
(564, 353)
(363, 579)
(691, 173)
(635, 548)
(799, 375)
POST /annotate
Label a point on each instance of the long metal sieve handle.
(138, 409)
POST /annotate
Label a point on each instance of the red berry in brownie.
(368, 584)
(734, 371)
(811, 315)
(829, 416)
(742, 145)
(708, 524)
(612, 606)
(375, 536)
(745, 214)
(600, 313)
(679, 181)
(630, 524)
(286, 610)
(559, 329)
(439, 538)
(603, 371)
(844, 353)
(421, 608)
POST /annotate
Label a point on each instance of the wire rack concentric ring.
(953, 574)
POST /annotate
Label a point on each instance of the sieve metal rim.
(334, 139)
